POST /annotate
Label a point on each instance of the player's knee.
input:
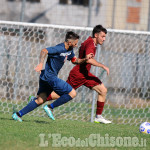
(103, 91)
(73, 93)
(39, 101)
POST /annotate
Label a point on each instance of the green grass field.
(82, 111)
(28, 134)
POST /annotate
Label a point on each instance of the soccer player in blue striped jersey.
(48, 78)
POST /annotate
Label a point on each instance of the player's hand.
(39, 67)
(89, 56)
(107, 69)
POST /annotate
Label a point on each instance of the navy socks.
(31, 106)
(61, 100)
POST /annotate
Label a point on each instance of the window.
(32, 1)
(75, 2)
(81, 2)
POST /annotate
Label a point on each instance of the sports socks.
(60, 101)
(31, 106)
(49, 98)
(100, 106)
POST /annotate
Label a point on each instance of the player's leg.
(33, 104)
(52, 96)
(74, 85)
(44, 91)
(63, 99)
(70, 80)
(78, 82)
(66, 93)
(28, 108)
(102, 91)
(75, 80)
(94, 83)
(60, 101)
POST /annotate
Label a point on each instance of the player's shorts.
(89, 80)
(60, 87)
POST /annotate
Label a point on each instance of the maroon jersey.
(80, 74)
(86, 48)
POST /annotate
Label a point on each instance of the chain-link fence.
(125, 53)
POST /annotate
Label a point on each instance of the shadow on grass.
(36, 121)
(1, 118)
(43, 122)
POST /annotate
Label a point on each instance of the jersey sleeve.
(89, 48)
(56, 50)
(71, 56)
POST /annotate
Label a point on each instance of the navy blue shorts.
(60, 87)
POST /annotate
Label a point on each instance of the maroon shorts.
(89, 80)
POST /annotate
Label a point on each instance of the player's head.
(72, 39)
(99, 33)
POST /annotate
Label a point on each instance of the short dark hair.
(71, 36)
(98, 29)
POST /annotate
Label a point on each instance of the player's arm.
(98, 64)
(75, 60)
(43, 55)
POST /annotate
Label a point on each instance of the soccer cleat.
(16, 117)
(48, 112)
(31, 98)
(100, 119)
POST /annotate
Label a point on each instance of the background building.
(116, 14)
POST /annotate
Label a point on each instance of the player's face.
(73, 43)
(100, 38)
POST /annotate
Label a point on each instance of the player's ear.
(69, 43)
(96, 35)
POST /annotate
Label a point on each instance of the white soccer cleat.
(100, 119)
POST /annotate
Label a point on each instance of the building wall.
(128, 14)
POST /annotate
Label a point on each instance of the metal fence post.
(89, 13)
(94, 93)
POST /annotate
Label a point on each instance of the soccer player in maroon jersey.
(81, 75)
